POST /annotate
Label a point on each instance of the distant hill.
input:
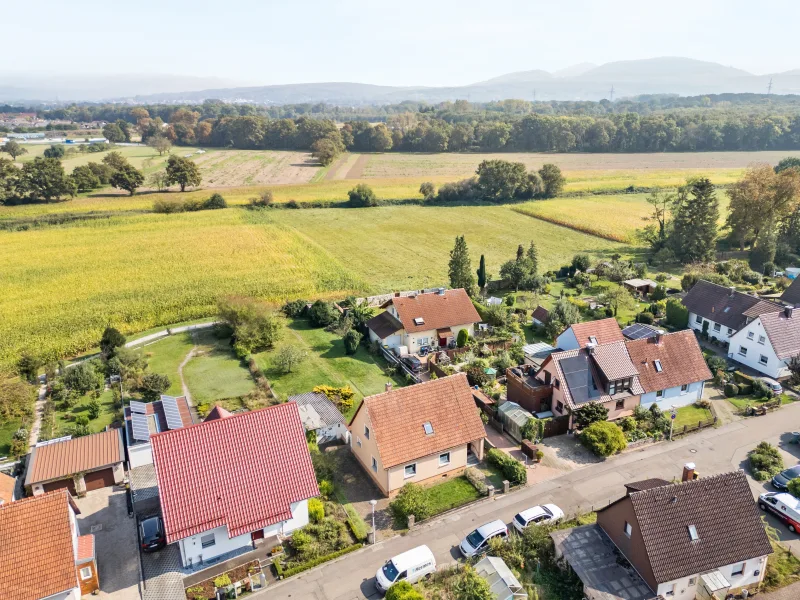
(585, 81)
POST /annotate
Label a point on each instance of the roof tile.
(604, 331)
(680, 357)
(724, 305)
(438, 311)
(63, 459)
(783, 333)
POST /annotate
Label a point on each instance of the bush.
(645, 317)
(263, 200)
(511, 468)
(351, 341)
(703, 403)
(677, 314)
(462, 338)
(94, 409)
(317, 561)
(402, 590)
(168, 206)
(153, 385)
(765, 459)
(731, 390)
(294, 308)
(325, 488)
(322, 314)
(761, 390)
(362, 196)
(412, 499)
(793, 487)
(316, 510)
(659, 293)
(222, 581)
(215, 202)
(604, 438)
(589, 413)
(476, 480)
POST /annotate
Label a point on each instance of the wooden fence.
(689, 428)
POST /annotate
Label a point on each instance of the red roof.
(680, 358)
(217, 413)
(85, 548)
(243, 472)
(604, 331)
(437, 311)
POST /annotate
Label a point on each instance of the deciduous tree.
(183, 171)
(13, 148)
(45, 179)
(552, 179)
(127, 178)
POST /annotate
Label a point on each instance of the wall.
(528, 397)
(119, 473)
(299, 519)
(684, 590)
(612, 520)
(628, 405)
(73, 594)
(428, 467)
(368, 449)
(192, 550)
(415, 341)
(775, 367)
(140, 454)
(674, 397)
(723, 334)
(91, 584)
(338, 431)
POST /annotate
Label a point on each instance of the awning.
(714, 581)
(443, 333)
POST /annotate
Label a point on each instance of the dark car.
(151, 532)
(413, 363)
(782, 479)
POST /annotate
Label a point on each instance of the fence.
(556, 426)
(393, 360)
(689, 428)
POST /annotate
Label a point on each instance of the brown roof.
(613, 361)
(37, 557)
(540, 313)
(384, 324)
(64, 459)
(604, 330)
(723, 512)
(85, 548)
(217, 413)
(453, 307)
(791, 295)
(681, 360)
(397, 419)
(6, 488)
(646, 484)
(783, 332)
(724, 305)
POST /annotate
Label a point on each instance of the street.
(712, 450)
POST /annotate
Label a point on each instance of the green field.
(214, 373)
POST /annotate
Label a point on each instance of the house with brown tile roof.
(580, 335)
(691, 538)
(7, 485)
(768, 342)
(671, 367)
(722, 311)
(43, 554)
(79, 465)
(430, 319)
(418, 433)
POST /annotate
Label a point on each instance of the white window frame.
(628, 529)
(204, 543)
(742, 350)
(366, 432)
(750, 335)
(698, 319)
(374, 464)
(358, 441)
(735, 573)
(86, 573)
(692, 581)
(445, 462)
(659, 393)
(406, 474)
(730, 331)
(717, 327)
(684, 388)
(762, 340)
(763, 360)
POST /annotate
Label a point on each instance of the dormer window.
(693, 533)
(419, 321)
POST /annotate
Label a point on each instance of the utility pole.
(611, 93)
(769, 87)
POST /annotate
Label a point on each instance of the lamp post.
(373, 503)
(672, 421)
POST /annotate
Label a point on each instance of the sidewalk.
(790, 592)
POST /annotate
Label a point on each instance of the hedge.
(510, 467)
(316, 562)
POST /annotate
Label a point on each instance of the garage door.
(63, 484)
(99, 479)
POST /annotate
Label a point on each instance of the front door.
(257, 535)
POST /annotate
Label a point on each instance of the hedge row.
(510, 467)
(316, 562)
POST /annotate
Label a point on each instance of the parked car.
(782, 479)
(538, 515)
(773, 385)
(477, 542)
(412, 362)
(410, 566)
(151, 532)
(784, 506)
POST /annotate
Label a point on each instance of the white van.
(410, 566)
(478, 541)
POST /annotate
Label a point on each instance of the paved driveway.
(116, 541)
(163, 579)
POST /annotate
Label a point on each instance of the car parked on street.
(410, 566)
(782, 479)
(151, 534)
(538, 515)
(775, 387)
(477, 542)
(784, 506)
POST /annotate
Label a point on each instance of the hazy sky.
(413, 42)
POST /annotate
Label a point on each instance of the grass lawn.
(214, 373)
(742, 402)
(450, 494)
(166, 355)
(691, 415)
(493, 476)
(64, 420)
(7, 429)
(326, 364)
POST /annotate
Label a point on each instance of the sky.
(432, 42)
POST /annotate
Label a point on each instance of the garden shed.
(514, 418)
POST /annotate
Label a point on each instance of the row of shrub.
(512, 469)
(765, 461)
(176, 205)
(283, 573)
(475, 478)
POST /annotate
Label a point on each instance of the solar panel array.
(141, 430)
(170, 405)
(138, 407)
(638, 331)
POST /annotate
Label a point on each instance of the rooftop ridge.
(416, 385)
(216, 421)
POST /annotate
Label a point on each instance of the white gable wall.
(684, 590)
(748, 339)
(674, 396)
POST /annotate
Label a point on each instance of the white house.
(768, 343)
(722, 311)
(424, 320)
(672, 370)
(590, 333)
(229, 483)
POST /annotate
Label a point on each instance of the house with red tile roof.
(225, 483)
(430, 319)
(43, 555)
(580, 335)
(418, 433)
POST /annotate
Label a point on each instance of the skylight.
(727, 308)
(419, 321)
(693, 533)
(657, 365)
(428, 428)
(592, 339)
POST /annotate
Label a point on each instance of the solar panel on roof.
(638, 331)
(170, 406)
(138, 407)
(140, 428)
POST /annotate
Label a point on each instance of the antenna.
(769, 87)
(611, 93)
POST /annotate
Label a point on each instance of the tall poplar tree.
(460, 268)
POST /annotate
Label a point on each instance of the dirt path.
(722, 408)
(185, 361)
(36, 426)
(357, 170)
(334, 168)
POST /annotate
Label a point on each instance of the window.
(742, 350)
(657, 365)
(738, 570)
(693, 533)
(423, 341)
(628, 529)
(620, 404)
(763, 360)
(410, 471)
(366, 432)
(556, 384)
(670, 590)
(659, 393)
(730, 331)
(86, 573)
(698, 319)
(761, 339)
(206, 541)
(428, 428)
(444, 459)
(692, 581)
(419, 321)
(559, 407)
(717, 326)
(592, 340)
(684, 388)
(750, 335)
(612, 388)
(374, 464)
(358, 441)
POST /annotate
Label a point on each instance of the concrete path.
(36, 426)
(714, 450)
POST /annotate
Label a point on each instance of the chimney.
(657, 337)
(441, 291)
(689, 474)
(788, 311)
(733, 291)
(388, 387)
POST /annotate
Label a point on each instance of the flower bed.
(206, 590)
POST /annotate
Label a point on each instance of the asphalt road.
(712, 450)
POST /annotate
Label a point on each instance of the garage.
(63, 484)
(99, 479)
